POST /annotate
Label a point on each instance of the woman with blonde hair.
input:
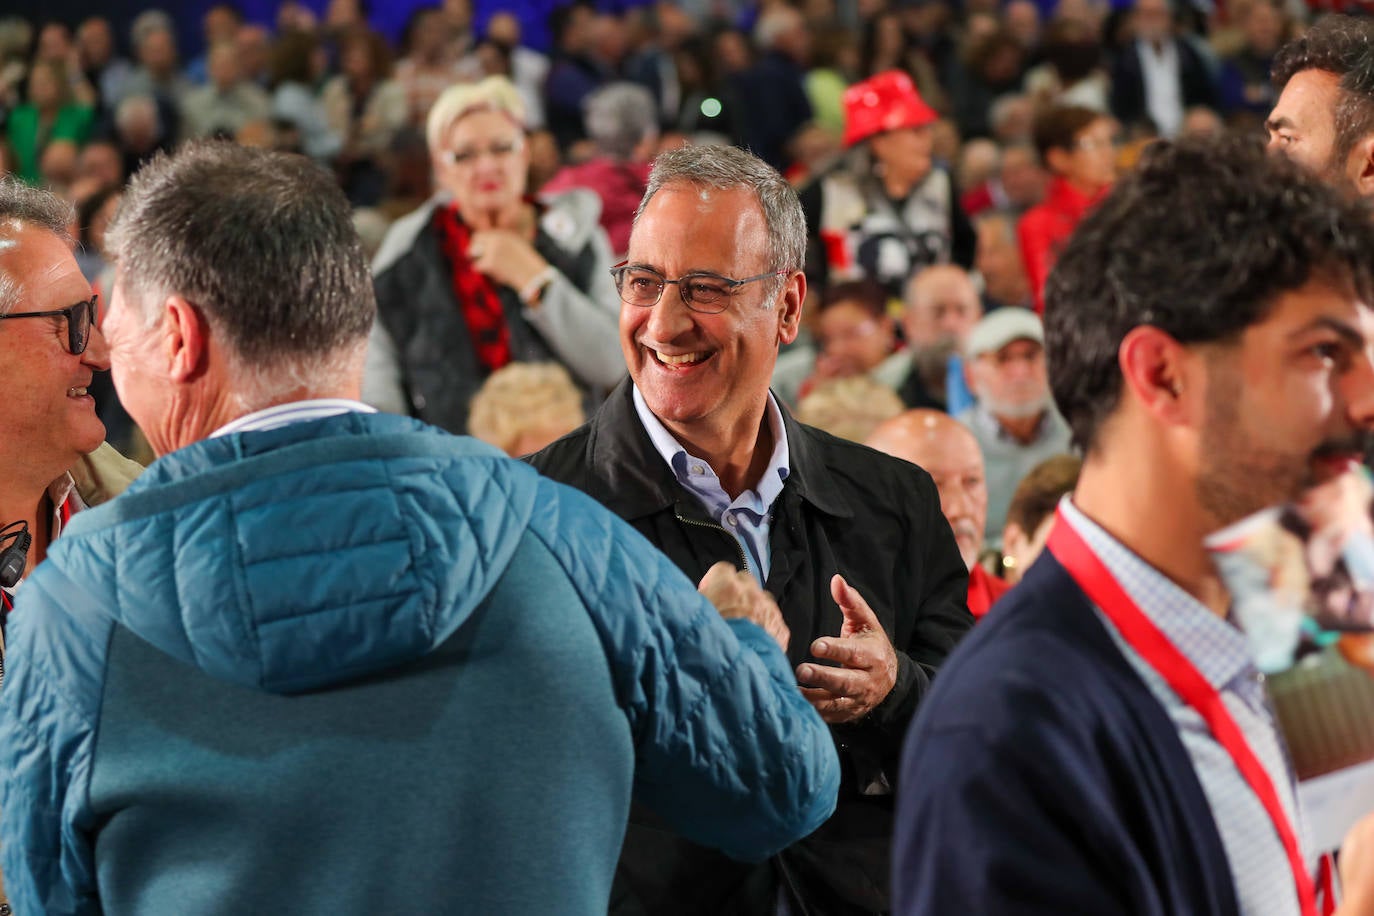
(483, 275)
(525, 406)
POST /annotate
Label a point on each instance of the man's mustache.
(965, 528)
(1357, 443)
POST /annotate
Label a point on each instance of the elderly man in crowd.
(1014, 420)
(947, 451)
(1324, 118)
(340, 661)
(622, 118)
(227, 102)
(1111, 719)
(54, 457)
(942, 306)
(699, 457)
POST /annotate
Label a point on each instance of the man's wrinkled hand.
(736, 593)
(867, 662)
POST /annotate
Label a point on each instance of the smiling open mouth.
(684, 359)
(76, 392)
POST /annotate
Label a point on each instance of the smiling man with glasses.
(50, 350)
(700, 457)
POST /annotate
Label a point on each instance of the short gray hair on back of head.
(619, 116)
(148, 22)
(21, 206)
(262, 242)
(724, 168)
(774, 24)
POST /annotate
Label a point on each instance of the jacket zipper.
(739, 548)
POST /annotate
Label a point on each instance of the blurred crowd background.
(942, 150)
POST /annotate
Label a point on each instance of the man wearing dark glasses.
(50, 349)
(697, 454)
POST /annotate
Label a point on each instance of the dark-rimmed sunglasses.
(701, 292)
(80, 318)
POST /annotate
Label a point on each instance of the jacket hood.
(305, 556)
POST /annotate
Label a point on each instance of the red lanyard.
(1163, 656)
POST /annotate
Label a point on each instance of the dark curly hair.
(1343, 45)
(1199, 241)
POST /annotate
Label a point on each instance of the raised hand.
(867, 662)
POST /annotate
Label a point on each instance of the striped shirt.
(1259, 865)
(748, 517)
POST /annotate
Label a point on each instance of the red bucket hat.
(888, 101)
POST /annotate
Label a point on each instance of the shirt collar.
(779, 463)
(292, 412)
(1217, 649)
(59, 491)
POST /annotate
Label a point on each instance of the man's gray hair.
(262, 242)
(773, 24)
(148, 22)
(135, 108)
(21, 206)
(724, 168)
(619, 116)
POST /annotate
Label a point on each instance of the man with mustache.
(950, 455)
(942, 306)
(1104, 743)
(1014, 422)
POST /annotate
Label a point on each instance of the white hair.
(495, 93)
(773, 24)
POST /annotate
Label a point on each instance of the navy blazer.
(1043, 776)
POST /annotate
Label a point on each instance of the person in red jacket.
(1078, 146)
(946, 450)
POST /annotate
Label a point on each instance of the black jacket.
(1196, 85)
(1051, 780)
(844, 508)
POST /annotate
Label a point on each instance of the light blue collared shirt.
(749, 517)
(1259, 865)
(292, 412)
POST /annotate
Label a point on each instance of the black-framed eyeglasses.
(79, 317)
(701, 292)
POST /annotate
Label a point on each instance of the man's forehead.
(1308, 98)
(34, 259)
(1019, 346)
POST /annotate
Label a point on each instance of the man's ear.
(793, 295)
(186, 341)
(1360, 166)
(1154, 369)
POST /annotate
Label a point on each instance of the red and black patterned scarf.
(477, 299)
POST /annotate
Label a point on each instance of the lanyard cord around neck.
(1155, 648)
